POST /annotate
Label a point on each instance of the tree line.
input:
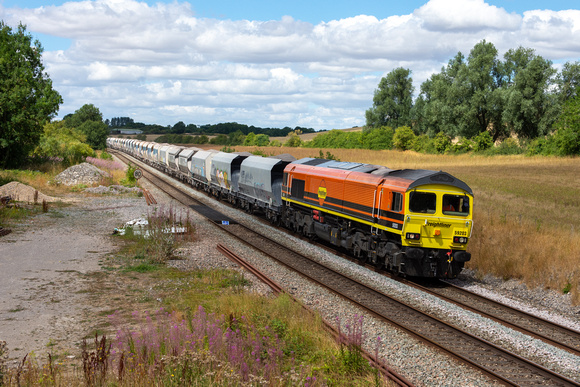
(180, 127)
(521, 96)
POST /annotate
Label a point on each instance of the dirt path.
(47, 268)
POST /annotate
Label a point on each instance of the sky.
(313, 64)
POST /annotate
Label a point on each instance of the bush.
(545, 146)
(220, 139)
(441, 143)
(404, 138)
(129, 180)
(59, 141)
(464, 145)
(293, 141)
(203, 139)
(250, 139)
(105, 156)
(262, 140)
(378, 138)
(567, 135)
(423, 144)
(482, 142)
(509, 146)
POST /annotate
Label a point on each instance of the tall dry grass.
(527, 210)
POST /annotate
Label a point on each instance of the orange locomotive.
(413, 222)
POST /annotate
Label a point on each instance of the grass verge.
(197, 327)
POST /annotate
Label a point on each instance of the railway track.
(549, 332)
(389, 373)
(492, 360)
(537, 327)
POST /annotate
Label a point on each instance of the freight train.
(412, 222)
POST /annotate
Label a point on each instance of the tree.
(117, 122)
(89, 121)
(262, 140)
(27, 99)
(437, 108)
(96, 133)
(465, 98)
(58, 140)
(179, 128)
(87, 112)
(236, 138)
(530, 110)
(567, 135)
(482, 102)
(392, 101)
(569, 81)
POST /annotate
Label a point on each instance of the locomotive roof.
(417, 177)
(422, 176)
(343, 165)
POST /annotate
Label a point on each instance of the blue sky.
(267, 63)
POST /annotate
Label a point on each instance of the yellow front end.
(437, 217)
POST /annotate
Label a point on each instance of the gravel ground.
(31, 318)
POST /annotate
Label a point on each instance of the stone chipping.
(83, 173)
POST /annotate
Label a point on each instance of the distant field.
(310, 136)
(304, 137)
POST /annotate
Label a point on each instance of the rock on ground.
(24, 193)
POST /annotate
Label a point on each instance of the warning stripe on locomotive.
(383, 225)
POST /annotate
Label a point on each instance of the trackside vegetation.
(208, 330)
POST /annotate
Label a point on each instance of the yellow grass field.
(527, 210)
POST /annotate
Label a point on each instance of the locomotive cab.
(437, 228)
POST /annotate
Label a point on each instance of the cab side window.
(456, 205)
(422, 202)
(396, 202)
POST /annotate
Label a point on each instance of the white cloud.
(161, 64)
(465, 15)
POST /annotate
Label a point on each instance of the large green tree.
(465, 98)
(437, 108)
(392, 101)
(530, 108)
(27, 99)
(568, 81)
(481, 97)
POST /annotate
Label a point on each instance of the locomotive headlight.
(413, 236)
(461, 240)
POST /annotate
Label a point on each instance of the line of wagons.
(412, 222)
